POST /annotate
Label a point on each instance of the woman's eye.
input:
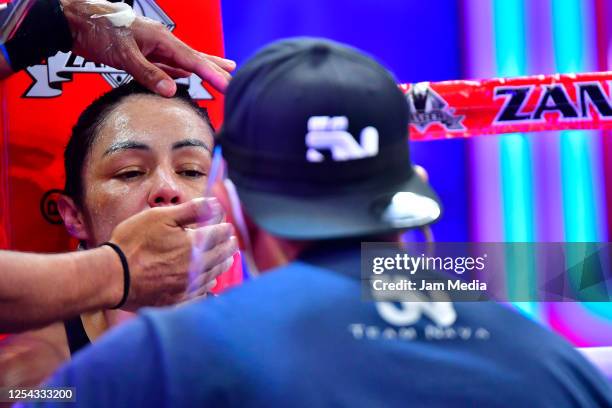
(129, 175)
(191, 173)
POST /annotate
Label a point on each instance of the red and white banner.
(457, 109)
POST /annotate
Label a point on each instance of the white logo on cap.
(330, 132)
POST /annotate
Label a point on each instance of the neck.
(272, 252)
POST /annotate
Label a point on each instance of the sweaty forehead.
(152, 120)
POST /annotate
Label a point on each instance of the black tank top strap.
(76, 335)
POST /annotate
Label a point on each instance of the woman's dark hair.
(90, 121)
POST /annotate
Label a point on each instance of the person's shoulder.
(511, 327)
(289, 284)
(28, 358)
(518, 339)
(274, 298)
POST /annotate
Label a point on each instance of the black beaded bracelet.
(43, 33)
(126, 273)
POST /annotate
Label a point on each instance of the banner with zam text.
(459, 109)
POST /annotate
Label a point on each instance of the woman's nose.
(165, 191)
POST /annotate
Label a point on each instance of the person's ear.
(421, 172)
(74, 221)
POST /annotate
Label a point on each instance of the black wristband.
(43, 33)
(126, 273)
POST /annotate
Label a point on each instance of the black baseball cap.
(315, 138)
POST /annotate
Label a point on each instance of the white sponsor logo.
(401, 316)
(427, 107)
(408, 313)
(49, 78)
(331, 133)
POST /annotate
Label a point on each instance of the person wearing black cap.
(315, 140)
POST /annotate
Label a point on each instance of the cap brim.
(355, 214)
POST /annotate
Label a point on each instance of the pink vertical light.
(547, 184)
(603, 30)
(486, 217)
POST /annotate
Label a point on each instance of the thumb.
(149, 75)
(196, 211)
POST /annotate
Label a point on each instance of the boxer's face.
(149, 152)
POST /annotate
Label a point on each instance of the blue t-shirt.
(301, 336)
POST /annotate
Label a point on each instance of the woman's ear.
(73, 218)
